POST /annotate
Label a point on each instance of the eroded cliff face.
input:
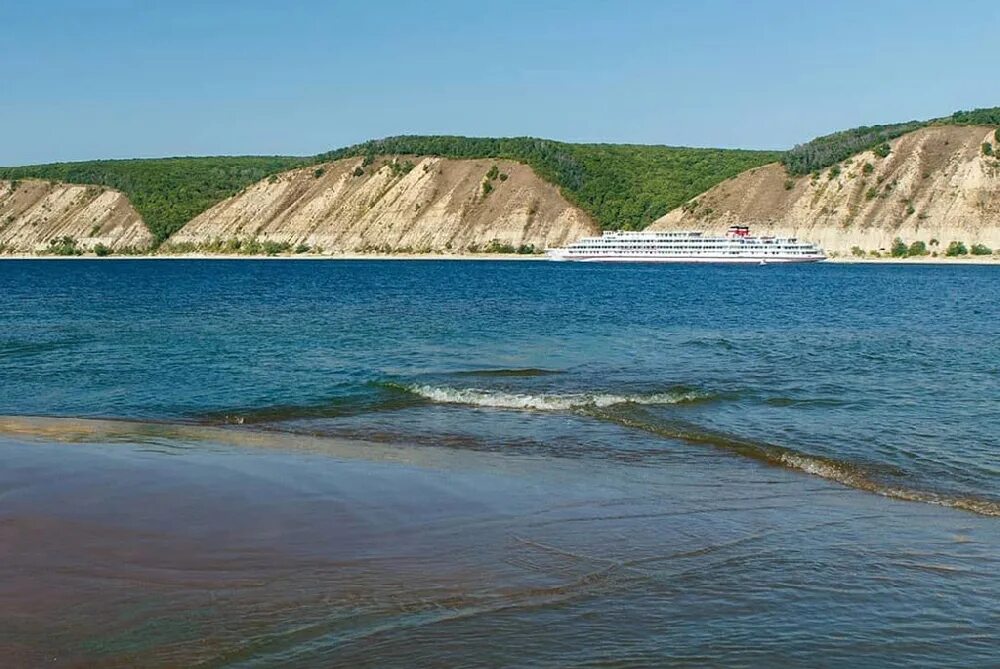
(395, 204)
(33, 212)
(936, 184)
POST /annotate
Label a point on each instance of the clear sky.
(132, 78)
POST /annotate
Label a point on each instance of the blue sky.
(126, 78)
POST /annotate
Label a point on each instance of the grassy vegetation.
(167, 192)
(236, 246)
(828, 150)
(63, 246)
(496, 246)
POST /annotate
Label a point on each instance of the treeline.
(988, 116)
(828, 150)
(831, 149)
(552, 160)
(622, 186)
(167, 192)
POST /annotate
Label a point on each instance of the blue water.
(892, 370)
(877, 387)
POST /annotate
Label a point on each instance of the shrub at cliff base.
(956, 249)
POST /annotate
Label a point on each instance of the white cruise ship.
(737, 246)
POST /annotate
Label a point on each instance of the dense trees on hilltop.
(167, 192)
(830, 149)
(827, 150)
(622, 186)
(550, 159)
(988, 116)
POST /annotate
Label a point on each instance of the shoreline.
(840, 260)
(302, 256)
(924, 260)
(438, 537)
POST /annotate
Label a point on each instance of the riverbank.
(490, 464)
(925, 260)
(302, 256)
(920, 260)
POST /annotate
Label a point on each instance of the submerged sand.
(136, 544)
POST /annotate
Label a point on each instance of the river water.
(449, 463)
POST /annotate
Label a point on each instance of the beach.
(926, 260)
(332, 551)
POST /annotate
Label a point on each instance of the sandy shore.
(924, 260)
(302, 256)
(161, 546)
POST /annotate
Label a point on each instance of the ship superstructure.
(737, 246)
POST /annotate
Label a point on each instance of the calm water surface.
(292, 463)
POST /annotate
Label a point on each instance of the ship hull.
(743, 260)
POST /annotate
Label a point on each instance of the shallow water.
(479, 464)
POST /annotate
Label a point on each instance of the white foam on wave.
(544, 402)
(817, 467)
(842, 475)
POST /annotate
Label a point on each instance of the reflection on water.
(238, 548)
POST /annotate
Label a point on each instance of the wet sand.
(130, 544)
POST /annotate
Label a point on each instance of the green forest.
(623, 186)
(830, 149)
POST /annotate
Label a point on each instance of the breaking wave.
(626, 409)
(549, 402)
(851, 474)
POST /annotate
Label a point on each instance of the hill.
(616, 186)
(935, 185)
(825, 151)
(67, 219)
(167, 192)
(399, 204)
(622, 186)
(619, 186)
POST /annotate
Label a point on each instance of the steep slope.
(937, 183)
(618, 185)
(167, 192)
(621, 186)
(392, 204)
(33, 213)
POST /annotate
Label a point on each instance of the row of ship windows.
(685, 247)
(602, 242)
(735, 253)
(661, 242)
